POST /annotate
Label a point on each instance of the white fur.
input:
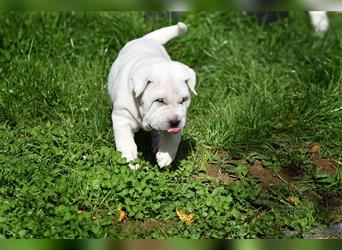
(319, 20)
(142, 74)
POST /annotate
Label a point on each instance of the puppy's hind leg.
(164, 35)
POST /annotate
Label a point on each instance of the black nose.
(174, 123)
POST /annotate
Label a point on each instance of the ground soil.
(214, 171)
(147, 226)
(324, 165)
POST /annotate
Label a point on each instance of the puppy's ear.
(191, 80)
(139, 81)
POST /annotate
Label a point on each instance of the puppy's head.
(162, 92)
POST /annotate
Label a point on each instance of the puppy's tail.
(164, 35)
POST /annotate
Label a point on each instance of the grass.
(267, 120)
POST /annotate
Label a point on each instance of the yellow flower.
(184, 217)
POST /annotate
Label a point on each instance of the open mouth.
(174, 130)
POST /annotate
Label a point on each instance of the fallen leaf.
(122, 214)
(292, 201)
(184, 217)
(313, 148)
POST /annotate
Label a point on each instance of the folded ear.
(191, 80)
(139, 81)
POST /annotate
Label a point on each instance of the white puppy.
(150, 91)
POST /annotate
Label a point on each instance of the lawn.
(261, 155)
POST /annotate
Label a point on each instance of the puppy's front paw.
(130, 156)
(135, 166)
(164, 159)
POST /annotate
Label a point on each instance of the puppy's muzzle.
(174, 123)
(174, 129)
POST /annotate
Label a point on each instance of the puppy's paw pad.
(163, 159)
(134, 166)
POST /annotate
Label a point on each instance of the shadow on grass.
(7, 117)
(143, 141)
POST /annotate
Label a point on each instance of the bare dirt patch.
(324, 165)
(291, 172)
(313, 148)
(267, 177)
(147, 226)
(214, 171)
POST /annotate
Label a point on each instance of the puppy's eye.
(184, 99)
(160, 100)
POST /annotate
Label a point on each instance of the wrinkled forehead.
(167, 86)
(168, 71)
(169, 78)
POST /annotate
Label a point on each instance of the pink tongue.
(174, 130)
